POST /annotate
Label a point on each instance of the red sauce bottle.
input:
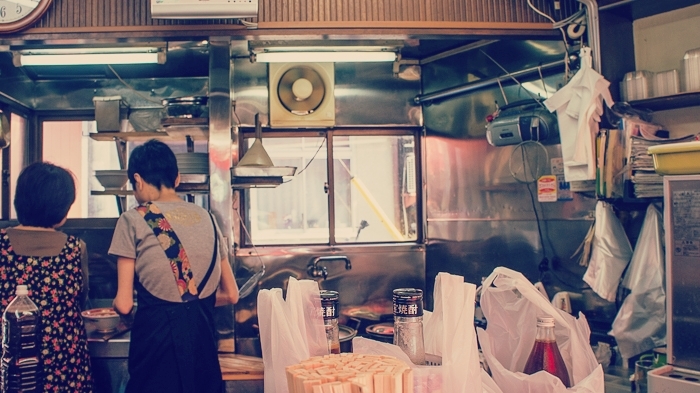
(545, 353)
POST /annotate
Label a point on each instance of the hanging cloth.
(175, 252)
(579, 106)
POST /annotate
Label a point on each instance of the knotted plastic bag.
(511, 305)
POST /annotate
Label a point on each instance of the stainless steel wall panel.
(369, 94)
(376, 271)
(468, 179)
(478, 215)
(366, 94)
(250, 91)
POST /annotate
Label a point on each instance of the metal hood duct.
(255, 169)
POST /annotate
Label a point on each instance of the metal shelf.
(171, 133)
(187, 188)
(676, 101)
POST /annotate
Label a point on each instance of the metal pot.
(346, 334)
(187, 107)
(383, 332)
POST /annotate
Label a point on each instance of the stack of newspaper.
(647, 183)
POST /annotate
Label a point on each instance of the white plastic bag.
(511, 305)
(610, 255)
(640, 324)
(290, 331)
(448, 333)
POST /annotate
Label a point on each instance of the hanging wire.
(250, 284)
(560, 26)
(544, 85)
(323, 142)
(503, 93)
(145, 97)
(513, 78)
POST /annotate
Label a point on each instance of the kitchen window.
(67, 143)
(371, 196)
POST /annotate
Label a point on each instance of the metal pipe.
(461, 49)
(593, 31)
(615, 5)
(506, 78)
(219, 146)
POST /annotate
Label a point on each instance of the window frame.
(246, 133)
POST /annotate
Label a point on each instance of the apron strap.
(213, 258)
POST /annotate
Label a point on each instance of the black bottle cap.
(330, 304)
(408, 302)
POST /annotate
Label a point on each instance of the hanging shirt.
(579, 106)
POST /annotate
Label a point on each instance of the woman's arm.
(227, 293)
(84, 263)
(124, 301)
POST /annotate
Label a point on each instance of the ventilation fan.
(301, 95)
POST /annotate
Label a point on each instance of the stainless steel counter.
(117, 347)
(110, 362)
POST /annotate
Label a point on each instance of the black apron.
(173, 347)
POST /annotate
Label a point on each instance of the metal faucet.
(315, 270)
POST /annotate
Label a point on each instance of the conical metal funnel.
(255, 168)
(256, 155)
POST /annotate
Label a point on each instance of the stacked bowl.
(193, 163)
(193, 167)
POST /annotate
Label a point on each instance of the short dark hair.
(44, 194)
(155, 163)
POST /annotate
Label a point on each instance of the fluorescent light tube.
(90, 56)
(324, 57)
(89, 59)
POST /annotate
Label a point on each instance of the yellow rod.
(377, 209)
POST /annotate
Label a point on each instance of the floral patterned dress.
(55, 284)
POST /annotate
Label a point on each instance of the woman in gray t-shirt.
(173, 254)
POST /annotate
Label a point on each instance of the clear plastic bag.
(511, 305)
(610, 254)
(291, 330)
(640, 324)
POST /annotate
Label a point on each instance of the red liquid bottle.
(545, 353)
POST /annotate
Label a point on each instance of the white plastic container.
(691, 70)
(671, 379)
(666, 83)
(637, 85)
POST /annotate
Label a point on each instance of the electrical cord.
(560, 26)
(544, 265)
(251, 282)
(323, 142)
(134, 90)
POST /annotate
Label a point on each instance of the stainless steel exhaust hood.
(256, 169)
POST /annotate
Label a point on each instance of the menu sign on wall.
(686, 223)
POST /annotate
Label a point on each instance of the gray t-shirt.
(133, 238)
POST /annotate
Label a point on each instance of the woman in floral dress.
(49, 262)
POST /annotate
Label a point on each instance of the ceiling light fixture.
(315, 51)
(89, 56)
(323, 57)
